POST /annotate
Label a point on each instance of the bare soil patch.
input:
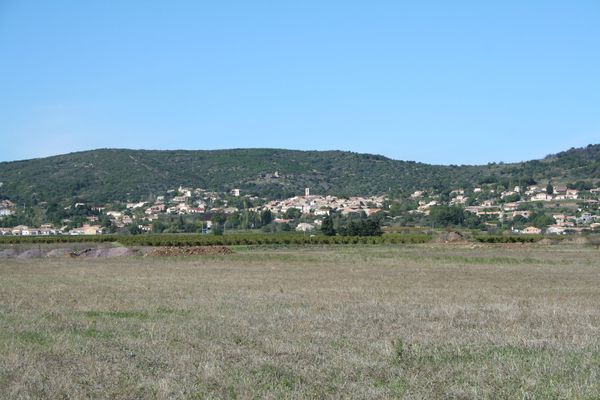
(189, 251)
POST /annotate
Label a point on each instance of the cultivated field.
(365, 321)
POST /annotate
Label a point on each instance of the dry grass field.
(421, 321)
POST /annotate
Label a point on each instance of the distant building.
(542, 197)
(157, 208)
(585, 218)
(136, 205)
(305, 227)
(86, 230)
(560, 189)
(572, 194)
(556, 229)
(511, 206)
(532, 230)
(524, 213)
(19, 229)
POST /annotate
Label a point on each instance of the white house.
(532, 230)
(305, 227)
(542, 197)
(556, 229)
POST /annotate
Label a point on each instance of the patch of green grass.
(212, 390)
(414, 354)
(396, 386)
(32, 337)
(274, 376)
(241, 340)
(96, 334)
(339, 343)
(479, 260)
(172, 311)
(118, 314)
(539, 372)
(136, 334)
(5, 317)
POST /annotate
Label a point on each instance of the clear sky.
(445, 82)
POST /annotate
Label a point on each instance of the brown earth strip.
(189, 251)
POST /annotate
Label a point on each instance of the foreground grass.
(420, 321)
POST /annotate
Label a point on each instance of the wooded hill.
(107, 175)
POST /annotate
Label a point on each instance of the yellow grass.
(420, 321)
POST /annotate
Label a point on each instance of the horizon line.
(298, 150)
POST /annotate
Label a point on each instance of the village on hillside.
(534, 209)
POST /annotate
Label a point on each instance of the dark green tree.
(327, 226)
(217, 229)
(293, 213)
(511, 198)
(364, 227)
(447, 215)
(541, 220)
(134, 229)
(159, 226)
(266, 217)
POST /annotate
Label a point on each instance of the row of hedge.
(225, 240)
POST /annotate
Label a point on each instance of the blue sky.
(445, 82)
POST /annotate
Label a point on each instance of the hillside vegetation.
(106, 175)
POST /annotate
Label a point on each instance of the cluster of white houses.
(321, 205)
(49, 230)
(503, 206)
(496, 208)
(186, 203)
(195, 201)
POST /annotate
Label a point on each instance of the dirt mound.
(189, 251)
(8, 253)
(451, 237)
(58, 252)
(31, 253)
(104, 252)
(120, 252)
(578, 240)
(84, 253)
